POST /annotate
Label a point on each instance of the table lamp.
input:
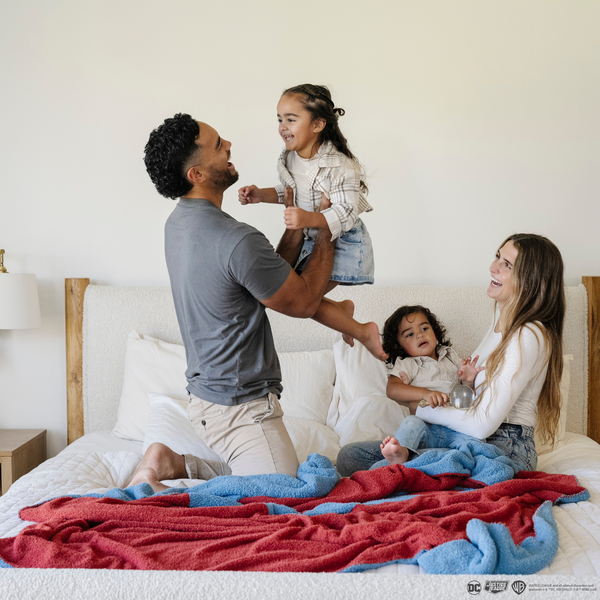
(19, 301)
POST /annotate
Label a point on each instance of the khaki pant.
(250, 438)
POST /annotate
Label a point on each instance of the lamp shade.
(19, 301)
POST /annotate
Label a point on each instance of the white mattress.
(98, 462)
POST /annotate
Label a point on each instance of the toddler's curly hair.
(390, 331)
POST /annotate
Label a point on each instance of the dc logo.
(474, 588)
(519, 587)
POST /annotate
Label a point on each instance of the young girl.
(322, 186)
(518, 388)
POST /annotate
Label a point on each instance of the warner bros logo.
(519, 587)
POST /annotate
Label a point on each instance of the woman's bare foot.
(348, 307)
(393, 452)
(371, 340)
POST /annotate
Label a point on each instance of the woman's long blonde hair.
(538, 296)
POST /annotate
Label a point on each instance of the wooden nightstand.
(21, 450)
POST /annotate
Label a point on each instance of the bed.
(125, 390)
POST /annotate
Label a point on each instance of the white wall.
(475, 119)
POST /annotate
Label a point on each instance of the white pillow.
(565, 382)
(358, 374)
(169, 425)
(151, 366)
(370, 418)
(310, 436)
(308, 379)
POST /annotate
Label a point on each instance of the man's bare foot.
(371, 340)
(158, 463)
(348, 307)
(393, 452)
(147, 475)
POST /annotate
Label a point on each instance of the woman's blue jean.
(516, 441)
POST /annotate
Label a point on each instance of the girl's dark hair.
(316, 99)
(168, 153)
(390, 331)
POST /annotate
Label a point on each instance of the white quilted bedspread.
(72, 473)
(81, 469)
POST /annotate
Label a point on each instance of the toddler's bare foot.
(371, 340)
(393, 452)
(348, 307)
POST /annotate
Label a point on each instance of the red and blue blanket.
(461, 511)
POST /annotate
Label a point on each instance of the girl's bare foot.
(348, 307)
(393, 452)
(371, 340)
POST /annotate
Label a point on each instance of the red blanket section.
(162, 532)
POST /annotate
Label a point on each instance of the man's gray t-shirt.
(219, 270)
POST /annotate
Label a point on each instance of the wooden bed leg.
(74, 292)
(592, 285)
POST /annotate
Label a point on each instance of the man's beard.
(223, 179)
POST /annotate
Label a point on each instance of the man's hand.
(435, 398)
(296, 218)
(469, 370)
(249, 194)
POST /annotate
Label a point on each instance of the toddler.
(425, 368)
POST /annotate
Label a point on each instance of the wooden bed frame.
(74, 295)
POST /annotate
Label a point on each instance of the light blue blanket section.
(483, 462)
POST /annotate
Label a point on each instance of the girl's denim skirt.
(353, 263)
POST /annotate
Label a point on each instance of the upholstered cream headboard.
(109, 313)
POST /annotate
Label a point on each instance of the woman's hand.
(435, 398)
(469, 370)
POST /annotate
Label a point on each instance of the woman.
(519, 388)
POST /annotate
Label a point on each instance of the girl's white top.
(513, 396)
(298, 168)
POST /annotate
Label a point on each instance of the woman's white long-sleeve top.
(514, 394)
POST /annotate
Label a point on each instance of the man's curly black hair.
(169, 148)
(390, 331)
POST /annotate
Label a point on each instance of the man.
(224, 274)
